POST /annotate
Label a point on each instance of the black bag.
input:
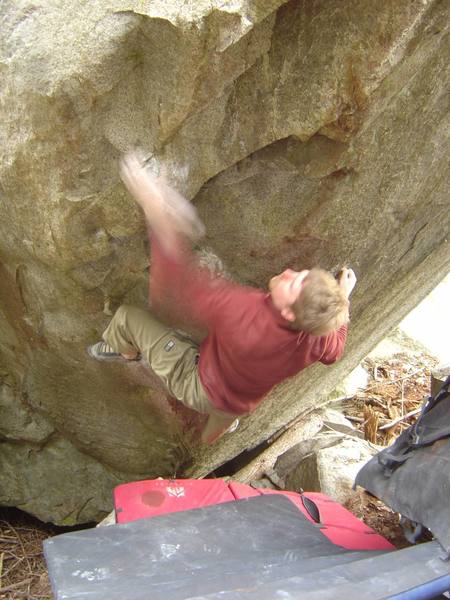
(412, 476)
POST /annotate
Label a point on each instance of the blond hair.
(321, 306)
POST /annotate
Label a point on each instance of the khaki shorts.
(172, 356)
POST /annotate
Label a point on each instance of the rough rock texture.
(305, 132)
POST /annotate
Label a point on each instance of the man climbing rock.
(255, 340)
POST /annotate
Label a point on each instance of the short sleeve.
(334, 346)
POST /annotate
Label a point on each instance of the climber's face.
(284, 290)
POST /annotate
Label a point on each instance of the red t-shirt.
(250, 347)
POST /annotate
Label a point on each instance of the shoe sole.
(111, 357)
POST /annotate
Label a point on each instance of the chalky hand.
(347, 281)
(165, 209)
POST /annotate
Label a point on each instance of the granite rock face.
(305, 133)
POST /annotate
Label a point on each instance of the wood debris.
(391, 402)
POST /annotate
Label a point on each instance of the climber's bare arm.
(166, 211)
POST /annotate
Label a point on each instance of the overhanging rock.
(304, 132)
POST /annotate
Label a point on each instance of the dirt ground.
(23, 573)
(397, 387)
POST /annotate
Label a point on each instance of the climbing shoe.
(103, 351)
(232, 428)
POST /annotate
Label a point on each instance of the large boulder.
(332, 470)
(305, 132)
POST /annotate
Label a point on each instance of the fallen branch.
(376, 401)
(400, 419)
(355, 419)
(386, 381)
(304, 430)
(299, 419)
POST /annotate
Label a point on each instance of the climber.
(255, 340)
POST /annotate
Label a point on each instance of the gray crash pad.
(254, 548)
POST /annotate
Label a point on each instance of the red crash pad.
(149, 498)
